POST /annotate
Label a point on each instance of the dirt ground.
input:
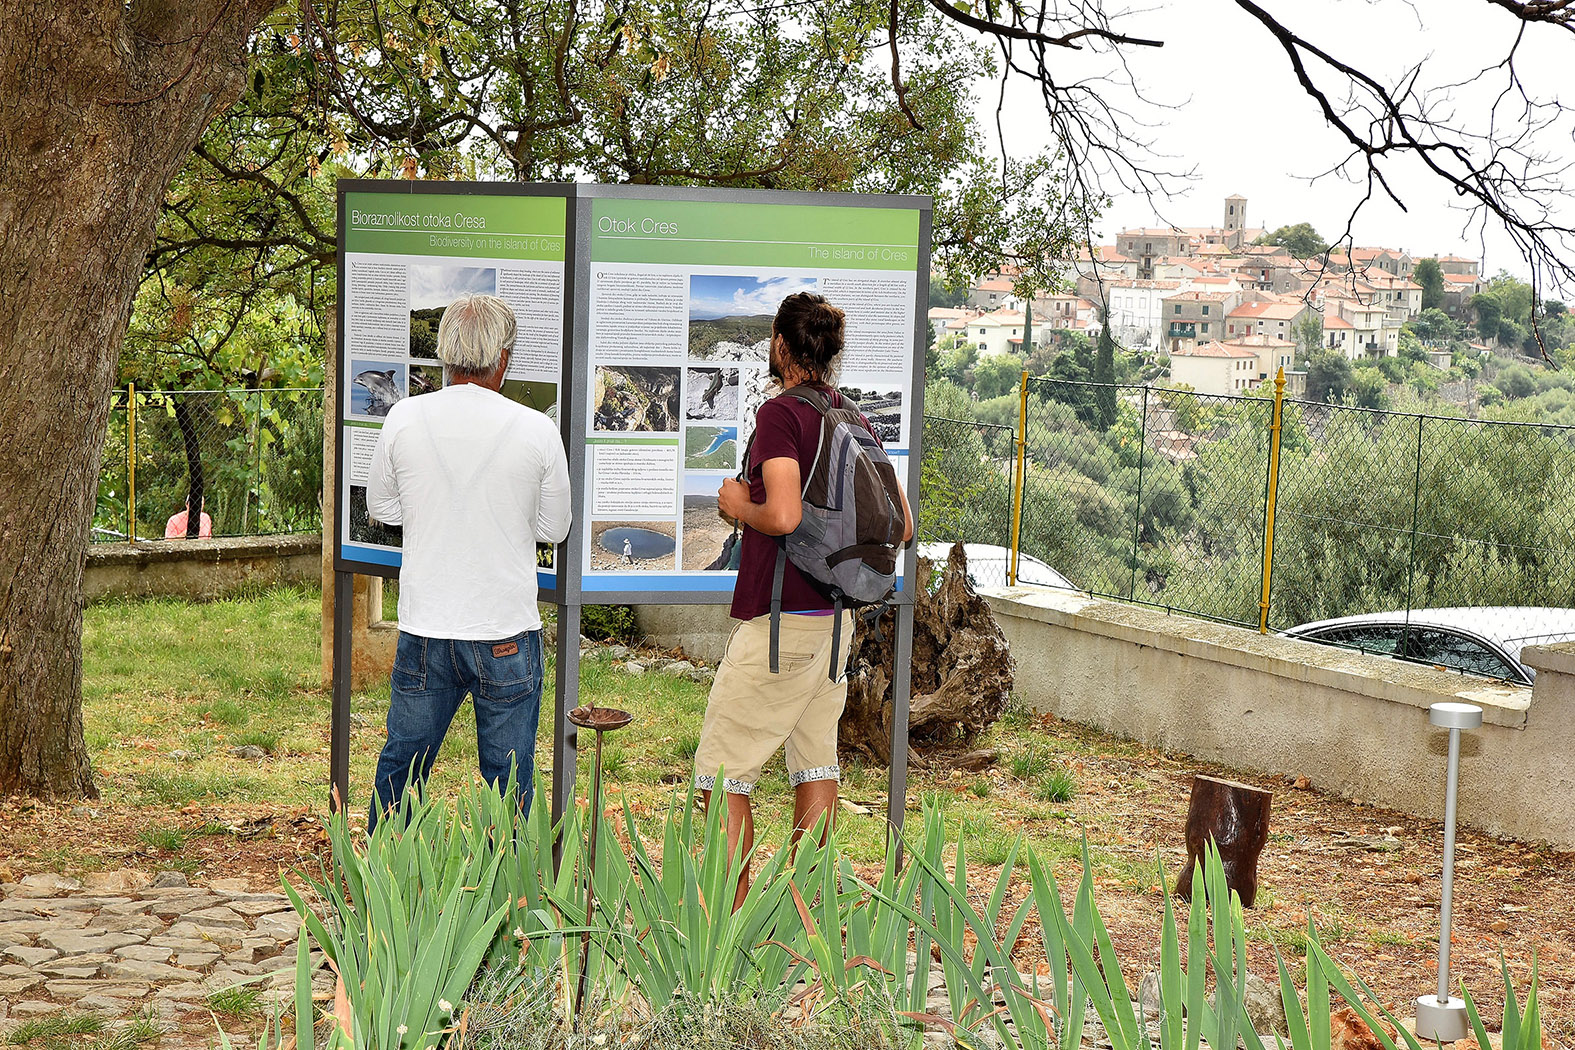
(1369, 877)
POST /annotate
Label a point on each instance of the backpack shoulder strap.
(776, 605)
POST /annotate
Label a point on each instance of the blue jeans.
(431, 677)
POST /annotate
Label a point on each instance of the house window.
(1205, 311)
(1178, 311)
(1205, 328)
(984, 348)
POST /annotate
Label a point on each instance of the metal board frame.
(346, 568)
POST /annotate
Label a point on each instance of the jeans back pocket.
(511, 668)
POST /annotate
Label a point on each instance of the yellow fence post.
(1017, 496)
(1268, 510)
(131, 462)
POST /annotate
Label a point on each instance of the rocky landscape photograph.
(711, 393)
(730, 316)
(636, 398)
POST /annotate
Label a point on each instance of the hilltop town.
(1229, 308)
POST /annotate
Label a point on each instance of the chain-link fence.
(251, 461)
(1163, 497)
(967, 481)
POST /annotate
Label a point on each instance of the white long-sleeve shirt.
(477, 481)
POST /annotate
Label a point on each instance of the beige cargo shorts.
(753, 712)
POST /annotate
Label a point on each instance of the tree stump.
(962, 671)
(1236, 817)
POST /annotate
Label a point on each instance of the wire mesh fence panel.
(1201, 503)
(248, 461)
(290, 461)
(1496, 520)
(966, 482)
(1080, 483)
(111, 511)
(1345, 512)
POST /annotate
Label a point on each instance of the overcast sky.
(1245, 125)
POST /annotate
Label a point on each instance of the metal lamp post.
(602, 720)
(1441, 1016)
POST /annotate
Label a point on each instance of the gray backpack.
(847, 541)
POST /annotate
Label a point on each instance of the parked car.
(988, 565)
(1479, 639)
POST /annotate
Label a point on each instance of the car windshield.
(1425, 645)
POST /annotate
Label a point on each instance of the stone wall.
(199, 569)
(1356, 724)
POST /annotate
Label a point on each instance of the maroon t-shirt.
(784, 426)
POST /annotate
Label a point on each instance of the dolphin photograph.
(375, 386)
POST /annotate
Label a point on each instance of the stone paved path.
(123, 944)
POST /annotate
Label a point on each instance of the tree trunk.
(1235, 817)
(962, 671)
(100, 101)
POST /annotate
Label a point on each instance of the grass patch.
(267, 739)
(172, 840)
(239, 1001)
(153, 669)
(1057, 785)
(144, 1028)
(1388, 937)
(1288, 942)
(1029, 762)
(225, 712)
(55, 1027)
(686, 746)
(178, 789)
(615, 762)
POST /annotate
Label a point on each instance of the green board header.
(710, 233)
(480, 226)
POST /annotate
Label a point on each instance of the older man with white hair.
(476, 480)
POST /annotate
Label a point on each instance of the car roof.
(1510, 627)
(988, 564)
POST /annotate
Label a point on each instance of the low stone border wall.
(200, 569)
(1356, 724)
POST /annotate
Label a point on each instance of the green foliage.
(1105, 375)
(997, 375)
(1057, 785)
(1489, 315)
(1369, 386)
(944, 294)
(242, 271)
(609, 623)
(1329, 376)
(1430, 276)
(1435, 328)
(1308, 335)
(1301, 240)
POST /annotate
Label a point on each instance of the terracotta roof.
(1198, 297)
(1336, 321)
(1274, 311)
(1214, 348)
(1152, 231)
(999, 317)
(1134, 282)
(1461, 278)
(995, 286)
(938, 312)
(1264, 342)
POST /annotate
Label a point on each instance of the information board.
(644, 319)
(680, 288)
(409, 249)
